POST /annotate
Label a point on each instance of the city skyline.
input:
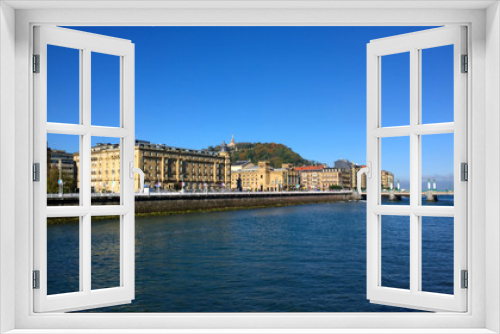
(304, 87)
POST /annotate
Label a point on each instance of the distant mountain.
(276, 154)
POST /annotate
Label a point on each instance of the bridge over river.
(431, 196)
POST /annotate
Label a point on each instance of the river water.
(307, 258)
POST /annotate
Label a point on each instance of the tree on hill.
(276, 154)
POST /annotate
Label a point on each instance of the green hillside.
(276, 154)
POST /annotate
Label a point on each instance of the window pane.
(395, 234)
(395, 94)
(437, 254)
(437, 169)
(437, 84)
(63, 85)
(105, 90)
(63, 156)
(63, 255)
(395, 171)
(105, 171)
(105, 252)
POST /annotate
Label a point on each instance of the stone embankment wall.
(149, 205)
(177, 203)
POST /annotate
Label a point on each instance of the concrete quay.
(187, 202)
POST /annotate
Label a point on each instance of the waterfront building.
(331, 177)
(349, 171)
(168, 167)
(319, 177)
(165, 167)
(60, 166)
(342, 164)
(310, 176)
(350, 175)
(239, 165)
(104, 168)
(263, 177)
(387, 179)
(363, 177)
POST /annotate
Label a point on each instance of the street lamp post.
(60, 181)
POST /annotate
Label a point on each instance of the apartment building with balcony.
(165, 167)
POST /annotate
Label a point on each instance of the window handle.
(363, 170)
(132, 171)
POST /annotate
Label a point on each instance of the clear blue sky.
(304, 87)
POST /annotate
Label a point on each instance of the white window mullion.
(123, 240)
(416, 118)
(127, 102)
(424, 211)
(81, 243)
(85, 167)
(414, 253)
(85, 163)
(415, 197)
(373, 244)
(86, 260)
(414, 138)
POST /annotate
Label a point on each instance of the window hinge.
(465, 279)
(36, 172)
(36, 63)
(464, 168)
(36, 279)
(465, 64)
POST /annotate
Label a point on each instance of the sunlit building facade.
(164, 167)
(263, 177)
(387, 180)
(319, 177)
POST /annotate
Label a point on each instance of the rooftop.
(307, 168)
(147, 144)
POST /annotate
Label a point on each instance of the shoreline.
(197, 208)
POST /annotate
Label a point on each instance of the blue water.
(308, 258)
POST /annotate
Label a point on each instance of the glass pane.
(63, 156)
(105, 90)
(395, 89)
(63, 85)
(395, 241)
(437, 254)
(437, 84)
(437, 169)
(105, 171)
(105, 252)
(395, 173)
(63, 255)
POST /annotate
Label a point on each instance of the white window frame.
(414, 44)
(86, 44)
(482, 18)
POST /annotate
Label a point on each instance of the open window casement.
(416, 44)
(86, 295)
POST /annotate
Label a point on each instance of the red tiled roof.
(309, 168)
